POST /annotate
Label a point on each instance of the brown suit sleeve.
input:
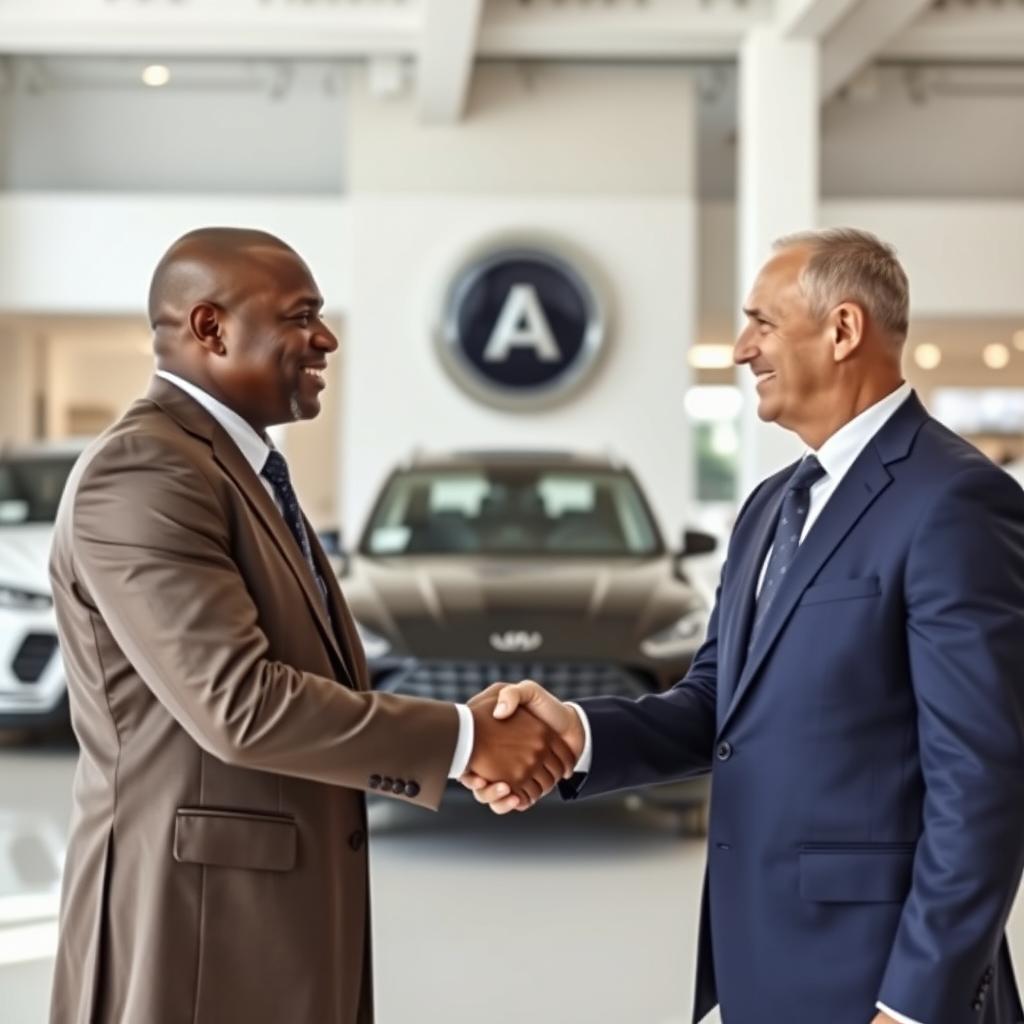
(151, 551)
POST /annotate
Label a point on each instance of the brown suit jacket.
(217, 867)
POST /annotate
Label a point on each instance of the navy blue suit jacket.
(867, 755)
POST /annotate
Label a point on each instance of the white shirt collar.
(254, 449)
(840, 451)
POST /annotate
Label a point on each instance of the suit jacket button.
(977, 1005)
(375, 781)
(988, 973)
(399, 787)
(356, 840)
(412, 789)
(724, 751)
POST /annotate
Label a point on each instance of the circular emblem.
(521, 327)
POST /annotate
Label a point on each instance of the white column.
(778, 193)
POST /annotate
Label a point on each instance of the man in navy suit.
(859, 699)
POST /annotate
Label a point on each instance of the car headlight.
(683, 636)
(23, 600)
(374, 645)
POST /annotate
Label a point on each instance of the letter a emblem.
(522, 324)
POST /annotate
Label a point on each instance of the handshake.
(525, 741)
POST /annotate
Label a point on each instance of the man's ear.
(205, 322)
(847, 322)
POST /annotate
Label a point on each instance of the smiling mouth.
(316, 373)
(764, 376)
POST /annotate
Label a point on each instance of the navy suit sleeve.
(965, 634)
(658, 738)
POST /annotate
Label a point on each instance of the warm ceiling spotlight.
(710, 357)
(996, 356)
(156, 75)
(928, 356)
(1018, 340)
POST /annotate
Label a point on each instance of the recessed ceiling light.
(996, 356)
(927, 356)
(711, 357)
(156, 75)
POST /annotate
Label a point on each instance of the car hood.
(25, 557)
(451, 607)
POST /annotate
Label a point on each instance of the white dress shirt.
(255, 450)
(837, 455)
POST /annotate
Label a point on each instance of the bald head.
(237, 312)
(209, 265)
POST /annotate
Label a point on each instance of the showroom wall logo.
(522, 326)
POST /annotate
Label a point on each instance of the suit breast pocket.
(842, 590)
(235, 839)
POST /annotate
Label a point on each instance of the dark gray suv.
(480, 566)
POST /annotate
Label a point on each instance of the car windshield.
(512, 511)
(30, 488)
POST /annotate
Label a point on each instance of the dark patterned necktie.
(275, 469)
(796, 503)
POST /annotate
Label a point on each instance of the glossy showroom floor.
(463, 901)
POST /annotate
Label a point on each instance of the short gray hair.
(848, 265)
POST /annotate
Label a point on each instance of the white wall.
(93, 253)
(220, 126)
(964, 257)
(600, 157)
(398, 398)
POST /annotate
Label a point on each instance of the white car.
(33, 695)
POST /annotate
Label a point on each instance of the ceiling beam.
(973, 33)
(811, 19)
(862, 36)
(356, 29)
(446, 57)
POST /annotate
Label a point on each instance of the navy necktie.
(275, 469)
(796, 503)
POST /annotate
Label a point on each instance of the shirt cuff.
(587, 756)
(896, 1016)
(464, 745)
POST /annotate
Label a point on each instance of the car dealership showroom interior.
(359, 355)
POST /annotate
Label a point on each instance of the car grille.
(460, 680)
(33, 656)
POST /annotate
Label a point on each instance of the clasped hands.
(525, 741)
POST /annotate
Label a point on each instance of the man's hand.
(529, 696)
(882, 1018)
(525, 754)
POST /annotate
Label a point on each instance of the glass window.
(512, 511)
(30, 489)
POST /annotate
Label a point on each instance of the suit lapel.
(195, 419)
(343, 624)
(231, 460)
(734, 640)
(858, 490)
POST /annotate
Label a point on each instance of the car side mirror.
(334, 547)
(696, 542)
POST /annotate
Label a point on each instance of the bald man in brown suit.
(217, 867)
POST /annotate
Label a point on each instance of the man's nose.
(325, 339)
(744, 350)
